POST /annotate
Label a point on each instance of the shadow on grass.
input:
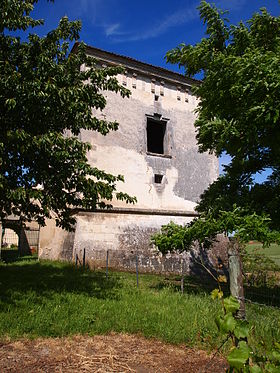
(9, 255)
(192, 285)
(269, 296)
(201, 282)
(46, 279)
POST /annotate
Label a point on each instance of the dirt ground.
(112, 353)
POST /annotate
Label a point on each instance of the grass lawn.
(55, 299)
(272, 252)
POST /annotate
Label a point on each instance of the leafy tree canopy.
(237, 222)
(239, 114)
(239, 108)
(43, 96)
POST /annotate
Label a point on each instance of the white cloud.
(177, 18)
(113, 30)
(86, 8)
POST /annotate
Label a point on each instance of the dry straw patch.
(104, 354)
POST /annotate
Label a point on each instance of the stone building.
(23, 236)
(155, 149)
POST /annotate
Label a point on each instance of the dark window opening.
(158, 178)
(155, 136)
(156, 97)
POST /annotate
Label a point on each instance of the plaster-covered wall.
(124, 236)
(186, 174)
(55, 243)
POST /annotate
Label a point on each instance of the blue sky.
(144, 29)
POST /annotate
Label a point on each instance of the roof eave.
(138, 66)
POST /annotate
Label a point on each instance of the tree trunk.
(235, 277)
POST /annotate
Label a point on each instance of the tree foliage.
(238, 222)
(238, 113)
(239, 108)
(43, 97)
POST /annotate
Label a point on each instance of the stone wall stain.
(186, 173)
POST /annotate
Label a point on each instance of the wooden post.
(137, 271)
(38, 242)
(235, 277)
(107, 263)
(1, 237)
(84, 259)
(182, 278)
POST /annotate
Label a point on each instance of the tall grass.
(56, 299)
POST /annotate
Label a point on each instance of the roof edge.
(134, 64)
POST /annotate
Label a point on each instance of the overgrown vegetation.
(56, 299)
(239, 107)
(45, 103)
(238, 222)
(238, 114)
(243, 357)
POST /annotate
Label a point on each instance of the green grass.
(55, 299)
(272, 252)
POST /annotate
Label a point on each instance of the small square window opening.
(158, 178)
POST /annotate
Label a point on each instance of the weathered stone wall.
(186, 173)
(55, 243)
(125, 236)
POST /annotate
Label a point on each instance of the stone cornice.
(153, 72)
(138, 211)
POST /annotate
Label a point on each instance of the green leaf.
(216, 293)
(226, 323)
(238, 357)
(255, 369)
(231, 304)
(276, 355)
(241, 329)
(271, 368)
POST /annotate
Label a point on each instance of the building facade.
(155, 149)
